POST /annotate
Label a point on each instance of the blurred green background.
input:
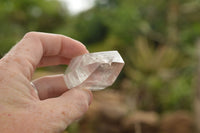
(156, 38)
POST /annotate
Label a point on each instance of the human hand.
(22, 110)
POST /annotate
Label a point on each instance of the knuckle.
(81, 95)
(61, 36)
(82, 100)
(31, 34)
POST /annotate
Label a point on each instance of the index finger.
(26, 55)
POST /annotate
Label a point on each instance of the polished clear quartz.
(94, 71)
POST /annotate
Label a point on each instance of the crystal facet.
(94, 71)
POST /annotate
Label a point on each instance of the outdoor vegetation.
(158, 40)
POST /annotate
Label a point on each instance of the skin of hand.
(22, 110)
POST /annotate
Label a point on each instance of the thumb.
(70, 106)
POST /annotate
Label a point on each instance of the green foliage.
(160, 76)
(73, 128)
(179, 95)
(19, 17)
(90, 29)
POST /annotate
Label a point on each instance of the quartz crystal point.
(94, 71)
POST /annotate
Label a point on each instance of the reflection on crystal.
(94, 71)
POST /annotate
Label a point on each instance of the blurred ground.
(109, 114)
